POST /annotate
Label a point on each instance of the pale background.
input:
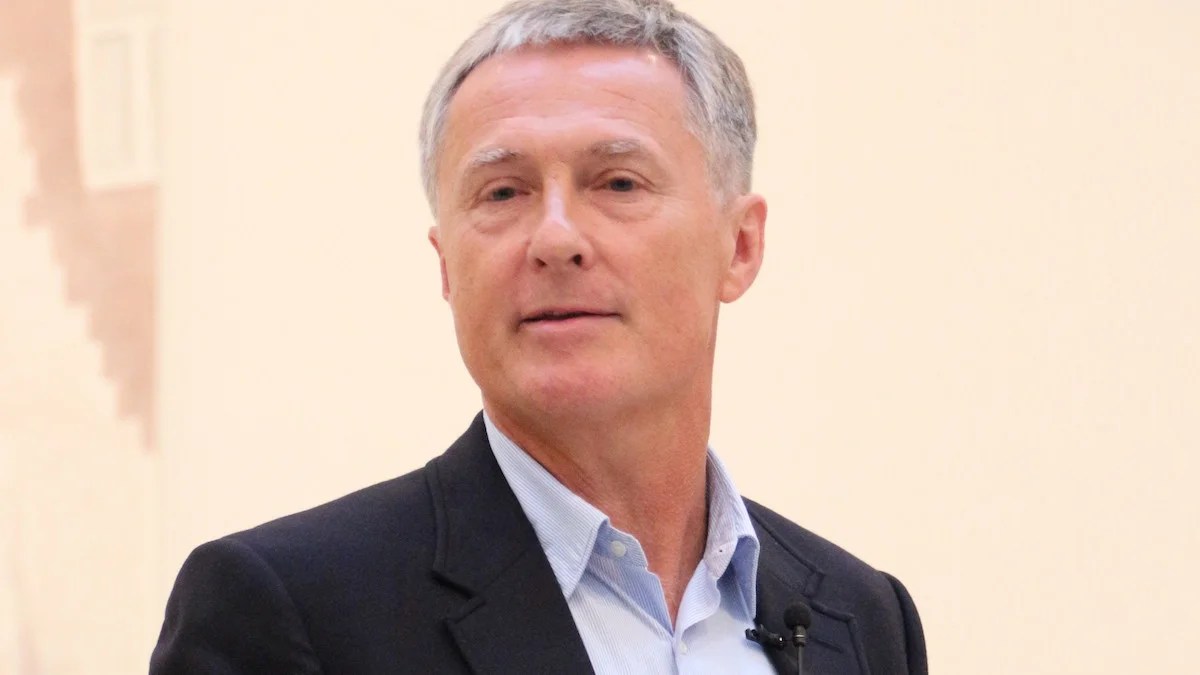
(971, 358)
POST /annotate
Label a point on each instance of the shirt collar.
(567, 525)
(732, 541)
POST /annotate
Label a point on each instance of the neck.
(646, 471)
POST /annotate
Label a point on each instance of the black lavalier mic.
(798, 617)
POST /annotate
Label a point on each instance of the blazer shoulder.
(812, 550)
(843, 578)
(394, 516)
(341, 587)
(849, 587)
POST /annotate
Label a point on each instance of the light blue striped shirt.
(617, 602)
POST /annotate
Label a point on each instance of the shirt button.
(682, 647)
(618, 549)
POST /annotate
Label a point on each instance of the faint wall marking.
(103, 231)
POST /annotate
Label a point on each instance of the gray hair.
(719, 100)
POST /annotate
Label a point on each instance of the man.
(588, 163)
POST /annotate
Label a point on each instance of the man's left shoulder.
(872, 604)
(783, 540)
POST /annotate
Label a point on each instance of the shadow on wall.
(103, 239)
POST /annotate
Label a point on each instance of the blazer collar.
(514, 617)
(785, 577)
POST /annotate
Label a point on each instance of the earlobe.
(750, 219)
(437, 246)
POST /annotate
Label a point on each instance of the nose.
(557, 242)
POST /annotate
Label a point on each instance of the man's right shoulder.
(345, 586)
(392, 520)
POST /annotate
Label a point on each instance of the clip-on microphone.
(764, 637)
(798, 617)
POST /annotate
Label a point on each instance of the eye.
(501, 194)
(621, 184)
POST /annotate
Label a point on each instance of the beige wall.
(971, 358)
(80, 542)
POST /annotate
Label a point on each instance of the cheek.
(681, 298)
(468, 266)
(682, 279)
(480, 272)
(685, 267)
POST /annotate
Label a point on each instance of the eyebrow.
(610, 148)
(636, 151)
(618, 147)
(491, 157)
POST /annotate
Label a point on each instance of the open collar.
(568, 526)
(512, 616)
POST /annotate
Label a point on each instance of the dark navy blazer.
(439, 571)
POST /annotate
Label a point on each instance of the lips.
(563, 314)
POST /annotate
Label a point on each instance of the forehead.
(566, 93)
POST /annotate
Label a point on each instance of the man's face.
(584, 251)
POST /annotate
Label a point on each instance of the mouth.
(562, 316)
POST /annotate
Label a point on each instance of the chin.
(573, 392)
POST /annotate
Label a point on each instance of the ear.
(748, 214)
(434, 239)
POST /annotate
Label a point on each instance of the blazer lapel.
(514, 617)
(785, 578)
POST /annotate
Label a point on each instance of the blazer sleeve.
(230, 614)
(914, 635)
